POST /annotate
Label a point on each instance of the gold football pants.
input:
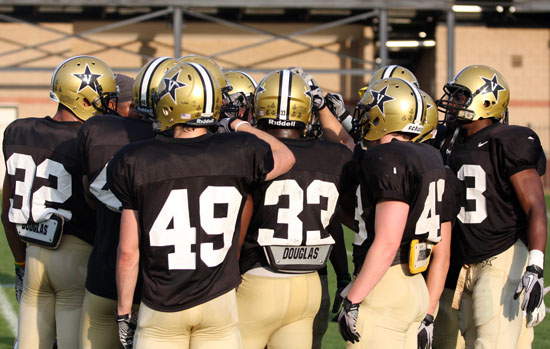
(393, 308)
(489, 316)
(53, 291)
(278, 311)
(211, 325)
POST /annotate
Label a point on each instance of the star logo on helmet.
(492, 86)
(379, 99)
(171, 85)
(88, 79)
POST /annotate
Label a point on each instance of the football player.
(182, 195)
(398, 211)
(98, 140)
(287, 239)
(45, 216)
(501, 231)
(243, 87)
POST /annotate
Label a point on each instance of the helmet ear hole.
(376, 121)
(486, 103)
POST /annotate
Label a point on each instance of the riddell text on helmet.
(285, 123)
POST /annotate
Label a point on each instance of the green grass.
(331, 340)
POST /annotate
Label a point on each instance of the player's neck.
(284, 132)
(65, 115)
(474, 127)
(188, 132)
(391, 136)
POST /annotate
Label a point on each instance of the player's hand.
(126, 329)
(317, 98)
(536, 317)
(533, 284)
(19, 276)
(425, 332)
(347, 321)
(335, 102)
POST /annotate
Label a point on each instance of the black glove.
(19, 276)
(425, 332)
(533, 283)
(347, 321)
(342, 282)
(126, 328)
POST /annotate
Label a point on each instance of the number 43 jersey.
(45, 176)
(295, 209)
(402, 171)
(189, 194)
(492, 219)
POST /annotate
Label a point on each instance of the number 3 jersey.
(189, 194)
(401, 171)
(295, 208)
(45, 176)
(98, 140)
(492, 219)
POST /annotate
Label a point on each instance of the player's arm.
(389, 225)
(18, 247)
(127, 267)
(528, 188)
(333, 130)
(246, 216)
(283, 158)
(439, 266)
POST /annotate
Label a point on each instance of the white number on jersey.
(99, 190)
(475, 193)
(289, 216)
(172, 227)
(429, 221)
(35, 203)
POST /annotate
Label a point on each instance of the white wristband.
(536, 257)
(239, 124)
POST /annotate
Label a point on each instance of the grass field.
(332, 339)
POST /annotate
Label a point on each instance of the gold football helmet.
(283, 99)
(187, 94)
(84, 84)
(394, 71)
(213, 68)
(147, 82)
(390, 105)
(431, 119)
(477, 92)
(242, 93)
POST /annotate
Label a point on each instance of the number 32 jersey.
(190, 194)
(492, 219)
(402, 171)
(45, 176)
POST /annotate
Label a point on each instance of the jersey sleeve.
(518, 149)
(263, 159)
(386, 175)
(119, 180)
(81, 148)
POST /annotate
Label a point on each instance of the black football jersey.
(296, 207)
(403, 171)
(189, 194)
(45, 175)
(492, 219)
(98, 140)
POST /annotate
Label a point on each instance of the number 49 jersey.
(295, 209)
(403, 171)
(45, 176)
(492, 219)
(189, 194)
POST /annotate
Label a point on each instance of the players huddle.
(201, 213)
